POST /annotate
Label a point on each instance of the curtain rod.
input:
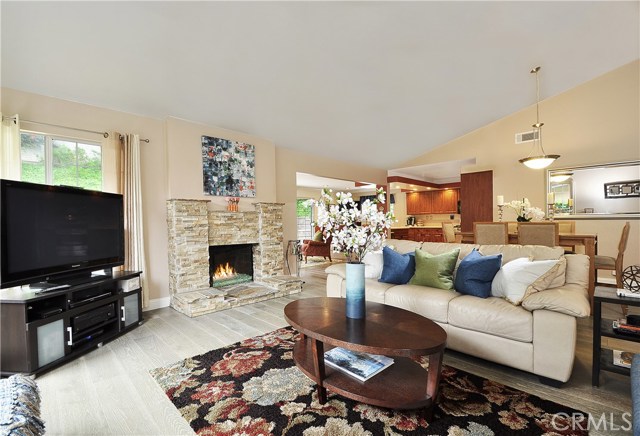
(141, 140)
(104, 134)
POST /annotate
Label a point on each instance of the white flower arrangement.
(355, 230)
(525, 211)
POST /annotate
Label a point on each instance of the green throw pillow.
(435, 271)
(318, 237)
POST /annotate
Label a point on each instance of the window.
(60, 161)
(304, 213)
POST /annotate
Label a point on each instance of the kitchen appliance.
(411, 221)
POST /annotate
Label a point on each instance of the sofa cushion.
(431, 303)
(514, 251)
(493, 316)
(402, 245)
(571, 299)
(515, 279)
(577, 270)
(373, 263)
(318, 237)
(397, 268)
(445, 247)
(375, 291)
(476, 272)
(435, 271)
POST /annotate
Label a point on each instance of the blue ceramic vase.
(355, 304)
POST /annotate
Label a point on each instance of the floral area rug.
(254, 388)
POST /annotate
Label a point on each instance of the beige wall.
(54, 111)
(289, 162)
(594, 123)
(172, 166)
(184, 157)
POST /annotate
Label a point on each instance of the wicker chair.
(539, 233)
(490, 233)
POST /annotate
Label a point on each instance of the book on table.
(622, 358)
(359, 365)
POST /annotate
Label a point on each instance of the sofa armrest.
(339, 269)
(336, 275)
(570, 299)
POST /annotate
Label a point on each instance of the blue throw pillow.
(397, 268)
(476, 272)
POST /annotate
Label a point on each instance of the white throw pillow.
(373, 262)
(515, 279)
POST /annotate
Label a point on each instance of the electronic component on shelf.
(129, 285)
(624, 328)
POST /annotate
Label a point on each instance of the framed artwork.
(228, 168)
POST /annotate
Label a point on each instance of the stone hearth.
(193, 228)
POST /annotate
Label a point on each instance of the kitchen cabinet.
(441, 201)
(476, 198)
(419, 203)
(400, 233)
(445, 201)
(419, 234)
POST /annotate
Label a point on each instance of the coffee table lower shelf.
(400, 386)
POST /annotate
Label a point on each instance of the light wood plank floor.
(110, 392)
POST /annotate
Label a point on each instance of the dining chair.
(448, 232)
(539, 233)
(490, 233)
(567, 227)
(614, 263)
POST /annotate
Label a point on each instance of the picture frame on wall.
(228, 168)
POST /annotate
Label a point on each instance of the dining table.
(586, 240)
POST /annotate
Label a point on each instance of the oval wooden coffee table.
(386, 330)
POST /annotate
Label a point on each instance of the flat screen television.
(56, 233)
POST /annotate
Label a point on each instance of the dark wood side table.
(603, 358)
(386, 330)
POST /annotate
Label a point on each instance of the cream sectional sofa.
(538, 336)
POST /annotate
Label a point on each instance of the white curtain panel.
(130, 184)
(10, 148)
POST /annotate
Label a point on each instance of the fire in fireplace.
(230, 264)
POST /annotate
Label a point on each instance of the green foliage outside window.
(73, 163)
(303, 209)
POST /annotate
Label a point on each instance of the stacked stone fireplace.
(193, 229)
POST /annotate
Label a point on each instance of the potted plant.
(356, 229)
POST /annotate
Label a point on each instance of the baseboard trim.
(158, 303)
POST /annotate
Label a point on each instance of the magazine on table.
(362, 366)
(622, 358)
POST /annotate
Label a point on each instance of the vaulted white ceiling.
(370, 82)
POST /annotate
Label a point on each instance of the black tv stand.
(44, 328)
(47, 286)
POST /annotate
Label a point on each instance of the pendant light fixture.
(537, 158)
